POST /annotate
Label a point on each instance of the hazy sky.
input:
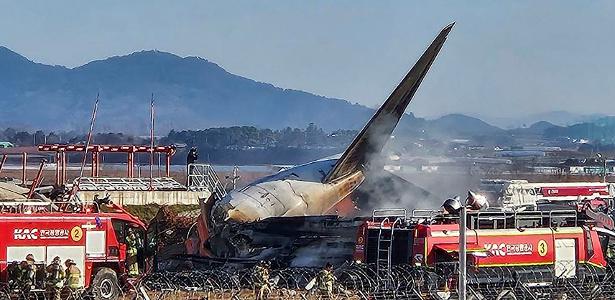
(503, 58)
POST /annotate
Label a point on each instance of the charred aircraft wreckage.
(293, 215)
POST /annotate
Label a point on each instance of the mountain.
(538, 128)
(190, 92)
(601, 131)
(605, 121)
(559, 117)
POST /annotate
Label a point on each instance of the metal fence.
(360, 281)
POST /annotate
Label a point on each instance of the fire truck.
(505, 246)
(91, 234)
(516, 193)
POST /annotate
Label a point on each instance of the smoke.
(333, 250)
(406, 186)
(383, 189)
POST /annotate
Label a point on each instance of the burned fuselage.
(298, 191)
(283, 217)
(306, 241)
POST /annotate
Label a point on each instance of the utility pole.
(604, 175)
(461, 284)
(604, 170)
(151, 153)
(85, 151)
(603, 158)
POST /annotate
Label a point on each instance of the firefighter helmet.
(328, 266)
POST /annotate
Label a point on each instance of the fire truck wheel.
(105, 285)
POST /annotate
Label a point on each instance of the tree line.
(221, 145)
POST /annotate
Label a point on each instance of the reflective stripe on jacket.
(73, 276)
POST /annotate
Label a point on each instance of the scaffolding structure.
(129, 184)
(204, 177)
(95, 151)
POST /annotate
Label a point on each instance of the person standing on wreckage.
(191, 158)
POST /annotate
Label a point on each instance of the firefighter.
(24, 276)
(193, 156)
(28, 271)
(610, 251)
(132, 244)
(260, 278)
(14, 274)
(31, 266)
(55, 278)
(325, 280)
(73, 275)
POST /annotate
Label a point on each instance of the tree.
(22, 138)
(39, 137)
(53, 138)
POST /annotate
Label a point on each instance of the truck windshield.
(120, 227)
(121, 230)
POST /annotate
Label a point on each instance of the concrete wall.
(148, 197)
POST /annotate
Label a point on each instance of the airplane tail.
(376, 133)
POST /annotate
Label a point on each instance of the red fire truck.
(555, 243)
(515, 193)
(90, 234)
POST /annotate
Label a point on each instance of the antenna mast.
(151, 153)
(85, 151)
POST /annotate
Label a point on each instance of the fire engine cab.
(555, 243)
(92, 235)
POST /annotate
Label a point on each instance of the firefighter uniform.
(73, 275)
(13, 273)
(55, 279)
(260, 278)
(132, 243)
(610, 251)
(24, 276)
(325, 280)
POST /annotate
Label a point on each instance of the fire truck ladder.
(385, 242)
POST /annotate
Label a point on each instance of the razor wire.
(361, 281)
